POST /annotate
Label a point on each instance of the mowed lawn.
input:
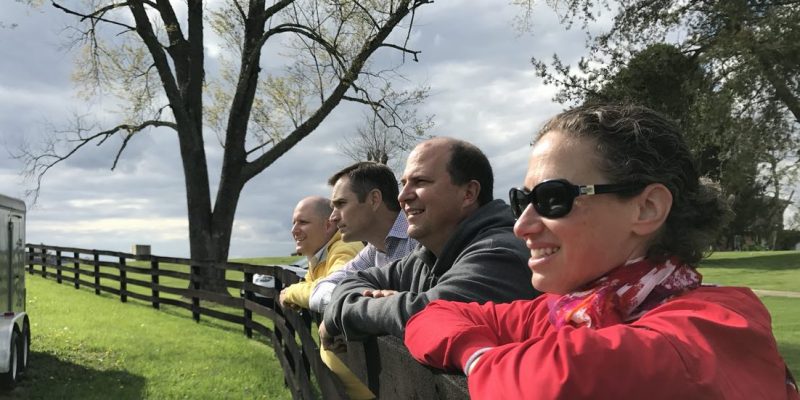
(95, 347)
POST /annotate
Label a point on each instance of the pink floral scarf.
(624, 294)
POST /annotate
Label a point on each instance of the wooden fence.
(383, 362)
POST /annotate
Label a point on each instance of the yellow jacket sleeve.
(339, 253)
(299, 293)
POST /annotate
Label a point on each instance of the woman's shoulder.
(721, 304)
(721, 294)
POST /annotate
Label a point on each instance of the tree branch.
(172, 26)
(277, 7)
(38, 163)
(97, 14)
(368, 102)
(403, 49)
(346, 81)
(171, 87)
(303, 31)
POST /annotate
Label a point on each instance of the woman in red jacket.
(616, 219)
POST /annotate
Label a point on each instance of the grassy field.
(94, 347)
(777, 270)
(786, 326)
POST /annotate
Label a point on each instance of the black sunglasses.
(554, 198)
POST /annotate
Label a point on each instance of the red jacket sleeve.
(714, 343)
(462, 328)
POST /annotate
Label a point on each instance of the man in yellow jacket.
(318, 239)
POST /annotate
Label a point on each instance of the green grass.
(94, 347)
(786, 327)
(777, 270)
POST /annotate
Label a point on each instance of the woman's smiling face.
(594, 237)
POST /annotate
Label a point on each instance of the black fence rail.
(383, 363)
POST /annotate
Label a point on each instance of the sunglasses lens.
(553, 199)
(519, 201)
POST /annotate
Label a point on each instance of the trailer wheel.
(9, 379)
(25, 349)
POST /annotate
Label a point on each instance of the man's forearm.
(321, 296)
(356, 316)
(361, 316)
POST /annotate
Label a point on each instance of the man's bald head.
(311, 227)
(317, 204)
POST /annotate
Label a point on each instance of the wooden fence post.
(31, 257)
(58, 266)
(77, 266)
(194, 278)
(248, 296)
(44, 262)
(123, 281)
(96, 272)
(154, 282)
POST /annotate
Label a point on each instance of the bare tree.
(389, 132)
(151, 56)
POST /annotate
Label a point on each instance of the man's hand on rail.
(378, 293)
(335, 344)
(287, 304)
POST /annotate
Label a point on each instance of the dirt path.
(776, 293)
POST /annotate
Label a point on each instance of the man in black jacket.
(468, 252)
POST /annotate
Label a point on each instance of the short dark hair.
(639, 145)
(366, 176)
(467, 162)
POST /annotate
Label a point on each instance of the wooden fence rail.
(383, 363)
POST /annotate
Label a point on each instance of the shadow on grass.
(49, 377)
(766, 262)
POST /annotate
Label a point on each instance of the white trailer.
(15, 331)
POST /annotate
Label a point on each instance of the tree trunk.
(208, 241)
(205, 248)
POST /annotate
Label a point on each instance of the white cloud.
(151, 228)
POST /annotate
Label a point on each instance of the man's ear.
(330, 227)
(654, 204)
(375, 199)
(472, 190)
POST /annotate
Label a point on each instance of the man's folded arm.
(348, 298)
(492, 274)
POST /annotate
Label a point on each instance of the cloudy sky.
(483, 89)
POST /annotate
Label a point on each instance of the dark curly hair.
(639, 145)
